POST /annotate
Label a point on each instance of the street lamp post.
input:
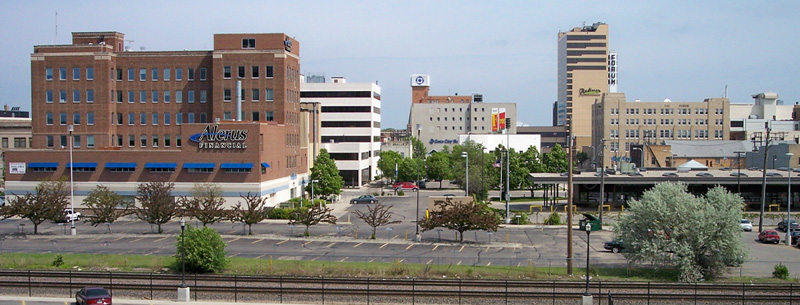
(312, 194)
(464, 154)
(789, 204)
(417, 237)
(183, 254)
(602, 179)
(72, 230)
(587, 296)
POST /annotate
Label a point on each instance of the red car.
(92, 295)
(769, 236)
(405, 186)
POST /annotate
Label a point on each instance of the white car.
(746, 225)
(70, 216)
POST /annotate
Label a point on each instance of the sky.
(505, 50)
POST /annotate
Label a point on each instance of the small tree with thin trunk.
(255, 210)
(461, 217)
(47, 203)
(312, 216)
(106, 206)
(156, 204)
(205, 204)
(378, 215)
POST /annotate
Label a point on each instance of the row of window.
(666, 111)
(440, 128)
(62, 73)
(666, 133)
(76, 118)
(269, 72)
(77, 140)
(76, 96)
(152, 170)
(18, 142)
(255, 94)
(717, 122)
(156, 118)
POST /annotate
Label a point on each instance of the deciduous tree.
(376, 216)
(387, 162)
(106, 206)
(461, 217)
(438, 167)
(48, 202)
(156, 204)
(699, 235)
(255, 210)
(312, 216)
(205, 204)
(556, 160)
(330, 182)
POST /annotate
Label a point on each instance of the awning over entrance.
(265, 164)
(82, 165)
(199, 165)
(150, 165)
(236, 165)
(116, 165)
(42, 164)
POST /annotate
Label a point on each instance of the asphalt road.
(348, 241)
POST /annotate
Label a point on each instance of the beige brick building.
(636, 131)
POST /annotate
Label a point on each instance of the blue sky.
(506, 50)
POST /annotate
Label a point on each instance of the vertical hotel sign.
(612, 72)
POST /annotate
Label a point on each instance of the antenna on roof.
(726, 92)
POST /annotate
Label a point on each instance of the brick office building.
(167, 115)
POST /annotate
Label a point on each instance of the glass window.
(179, 96)
(155, 118)
(119, 74)
(89, 73)
(241, 71)
(155, 140)
(119, 140)
(226, 95)
(49, 141)
(90, 96)
(202, 73)
(90, 141)
(76, 118)
(166, 140)
(143, 140)
(191, 73)
(131, 140)
(62, 118)
(131, 96)
(155, 96)
(166, 74)
(178, 74)
(48, 73)
(226, 115)
(203, 96)
(269, 116)
(19, 142)
(155, 74)
(142, 118)
(119, 118)
(76, 73)
(254, 71)
(203, 117)
(255, 116)
(131, 118)
(191, 96)
(269, 95)
(49, 96)
(248, 43)
(119, 96)
(130, 74)
(62, 96)
(191, 117)
(76, 141)
(166, 118)
(142, 96)
(270, 72)
(167, 96)
(49, 118)
(142, 74)
(177, 140)
(76, 96)
(90, 118)
(178, 118)
(256, 96)
(62, 73)
(62, 141)
(226, 72)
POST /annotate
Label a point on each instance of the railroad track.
(321, 290)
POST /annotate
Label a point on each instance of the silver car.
(746, 225)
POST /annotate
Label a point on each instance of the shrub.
(58, 261)
(401, 193)
(553, 219)
(205, 250)
(523, 218)
(280, 213)
(781, 272)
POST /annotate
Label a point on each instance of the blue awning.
(82, 165)
(150, 165)
(199, 165)
(265, 164)
(120, 165)
(236, 165)
(42, 164)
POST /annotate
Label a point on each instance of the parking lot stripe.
(306, 243)
(488, 264)
(256, 241)
(434, 248)
(281, 242)
(371, 260)
(358, 244)
(160, 239)
(344, 259)
(235, 239)
(236, 254)
(384, 245)
(117, 239)
(331, 244)
(487, 248)
(260, 256)
(462, 248)
(138, 239)
(409, 246)
(429, 262)
(459, 263)
(401, 260)
(519, 263)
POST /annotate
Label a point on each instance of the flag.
(496, 163)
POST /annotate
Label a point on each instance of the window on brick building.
(248, 43)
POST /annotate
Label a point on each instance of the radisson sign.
(214, 138)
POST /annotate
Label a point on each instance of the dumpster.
(590, 219)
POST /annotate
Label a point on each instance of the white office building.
(350, 125)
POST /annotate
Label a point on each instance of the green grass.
(268, 266)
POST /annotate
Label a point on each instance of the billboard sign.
(16, 167)
(612, 72)
(214, 138)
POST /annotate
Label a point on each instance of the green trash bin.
(591, 219)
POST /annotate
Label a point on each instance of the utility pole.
(602, 180)
(570, 153)
(508, 169)
(738, 171)
(764, 180)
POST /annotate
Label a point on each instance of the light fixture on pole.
(508, 170)
(602, 179)
(587, 296)
(312, 193)
(464, 154)
(789, 204)
(183, 290)
(72, 230)
(417, 237)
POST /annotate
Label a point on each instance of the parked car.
(405, 186)
(795, 236)
(615, 246)
(769, 236)
(782, 225)
(364, 199)
(92, 295)
(746, 225)
(70, 215)
(422, 184)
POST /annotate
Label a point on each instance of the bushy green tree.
(418, 148)
(438, 167)
(700, 235)
(479, 181)
(410, 169)
(326, 172)
(461, 217)
(48, 202)
(106, 206)
(205, 250)
(387, 162)
(556, 160)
